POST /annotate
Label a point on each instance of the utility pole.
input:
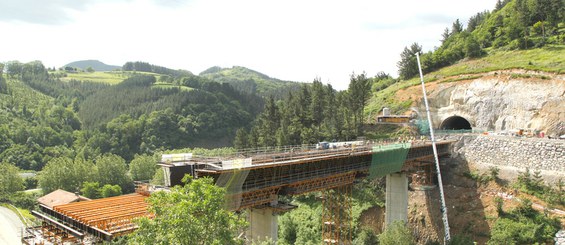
(440, 182)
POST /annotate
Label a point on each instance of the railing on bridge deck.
(282, 154)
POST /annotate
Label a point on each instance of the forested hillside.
(146, 67)
(250, 81)
(44, 117)
(512, 25)
(315, 113)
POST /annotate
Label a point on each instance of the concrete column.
(263, 224)
(396, 198)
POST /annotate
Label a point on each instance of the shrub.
(523, 225)
(396, 233)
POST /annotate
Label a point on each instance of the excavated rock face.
(501, 101)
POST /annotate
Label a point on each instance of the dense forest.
(315, 113)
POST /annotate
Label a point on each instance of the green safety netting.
(388, 159)
(233, 181)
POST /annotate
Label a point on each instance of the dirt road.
(10, 227)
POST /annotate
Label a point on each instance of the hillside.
(549, 59)
(94, 64)
(250, 81)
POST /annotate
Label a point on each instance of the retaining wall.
(513, 154)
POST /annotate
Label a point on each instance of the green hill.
(94, 64)
(250, 81)
(45, 114)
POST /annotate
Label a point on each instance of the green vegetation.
(249, 81)
(396, 233)
(192, 214)
(303, 224)
(314, 114)
(94, 65)
(10, 181)
(524, 225)
(517, 34)
(143, 167)
(163, 85)
(66, 173)
(139, 66)
(533, 185)
(105, 77)
(515, 25)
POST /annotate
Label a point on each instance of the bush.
(459, 239)
(499, 202)
(23, 200)
(91, 190)
(366, 237)
(524, 225)
(110, 190)
(30, 183)
(396, 233)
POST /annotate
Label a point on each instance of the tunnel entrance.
(455, 123)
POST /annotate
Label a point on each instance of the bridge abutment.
(396, 198)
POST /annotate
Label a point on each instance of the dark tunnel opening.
(455, 123)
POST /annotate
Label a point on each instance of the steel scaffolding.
(337, 215)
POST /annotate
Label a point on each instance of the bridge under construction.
(255, 179)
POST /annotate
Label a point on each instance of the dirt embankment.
(471, 208)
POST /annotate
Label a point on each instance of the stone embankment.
(512, 155)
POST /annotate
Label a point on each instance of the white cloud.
(291, 40)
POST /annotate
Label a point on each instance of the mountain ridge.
(94, 64)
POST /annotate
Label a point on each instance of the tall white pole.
(440, 182)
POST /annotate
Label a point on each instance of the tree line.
(316, 112)
(146, 67)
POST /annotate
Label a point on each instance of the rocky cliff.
(502, 100)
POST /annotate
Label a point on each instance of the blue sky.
(290, 40)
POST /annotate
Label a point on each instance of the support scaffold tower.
(337, 215)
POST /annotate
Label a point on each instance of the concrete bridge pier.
(263, 224)
(396, 198)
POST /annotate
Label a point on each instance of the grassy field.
(163, 85)
(109, 77)
(548, 59)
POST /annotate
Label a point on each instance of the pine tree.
(241, 139)
(408, 66)
(457, 27)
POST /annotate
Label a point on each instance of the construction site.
(254, 180)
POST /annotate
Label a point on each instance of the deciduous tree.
(192, 214)
(142, 167)
(10, 181)
(112, 169)
(64, 173)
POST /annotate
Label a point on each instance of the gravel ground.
(10, 227)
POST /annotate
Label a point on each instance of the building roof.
(59, 197)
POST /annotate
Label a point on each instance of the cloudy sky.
(294, 40)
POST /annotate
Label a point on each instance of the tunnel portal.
(455, 123)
